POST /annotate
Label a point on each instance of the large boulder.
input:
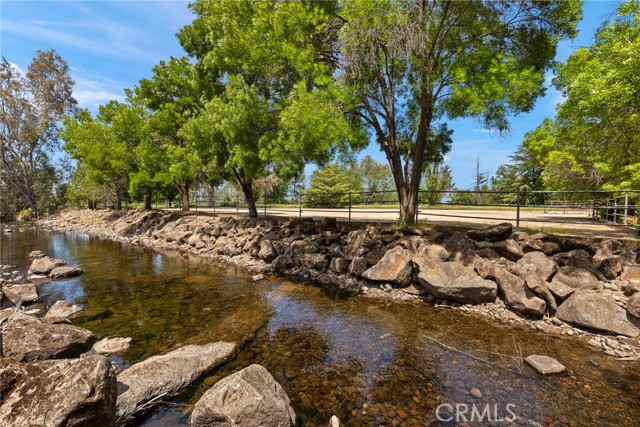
(569, 278)
(536, 263)
(540, 288)
(358, 266)
(517, 295)
(267, 251)
(510, 249)
(591, 310)
(45, 265)
(610, 267)
(28, 340)
(58, 393)
(630, 274)
(65, 272)
(116, 345)
(633, 305)
(460, 249)
(248, 398)
(394, 267)
(492, 234)
(454, 282)
(20, 294)
(167, 374)
(63, 309)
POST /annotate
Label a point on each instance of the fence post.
(615, 210)
(300, 205)
(626, 208)
(237, 208)
(349, 207)
(518, 209)
(214, 204)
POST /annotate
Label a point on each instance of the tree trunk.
(184, 192)
(211, 192)
(148, 197)
(251, 203)
(118, 201)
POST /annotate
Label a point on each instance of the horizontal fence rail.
(533, 209)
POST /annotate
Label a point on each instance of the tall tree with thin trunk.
(31, 106)
(414, 62)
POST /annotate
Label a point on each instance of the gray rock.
(545, 365)
(167, 374)
(248, 398)
(267, 251)
(536, 263)
(633, 305)
(339, 265)
(45, 265)
(116, 345)
(591, 310)
(517, 296)
(485, 269)
(630, 274)
(63, 309)
(631, 288)
(560, 291)
(610, 267)
(21, 294)
(455, 282)
(281, 263)
(539, 287)
(510, 249)
(433, 251)
(460, 249)
(394, 267)
(36, 255)
(28, 340)
(492, 234)
(358, 266)
(519, 236)
(576, 278)
(65, 272)
(315, 261)
(58, 393)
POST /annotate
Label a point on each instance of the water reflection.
(370, 363)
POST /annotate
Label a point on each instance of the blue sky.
(111, 45)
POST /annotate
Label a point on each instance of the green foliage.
(330, 186)
(31, 108)
(412, 62)
(599, 122)
(436, 182)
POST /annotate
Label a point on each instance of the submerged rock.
(65, 272)
(248, 398)
(116, 345)
(545, 365)
(394, 267)
(28, 340)
(167, 374)
(591, 310)
(63, 309)
(58, 393)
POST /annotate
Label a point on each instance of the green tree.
(599, 122)
(31, 107)
(330, 186)
(437, 181)
(411, 62)
(175, 93)
(279, 108)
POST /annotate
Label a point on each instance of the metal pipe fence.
(528, 208)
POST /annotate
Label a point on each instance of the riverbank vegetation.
(267, 88)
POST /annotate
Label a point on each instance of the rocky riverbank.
(548, 283)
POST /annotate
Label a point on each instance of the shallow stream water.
(370, 363)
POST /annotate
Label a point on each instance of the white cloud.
(91, 93)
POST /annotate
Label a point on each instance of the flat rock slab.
(20, 294)
(248, 398)
(65, 272)
(454, 282)
(545, 365)
(28, 340)
(591, 310)
(63, 309)
(167, 374)
(45, 265)
(394, 267)
(58, 393)
(116, 345)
